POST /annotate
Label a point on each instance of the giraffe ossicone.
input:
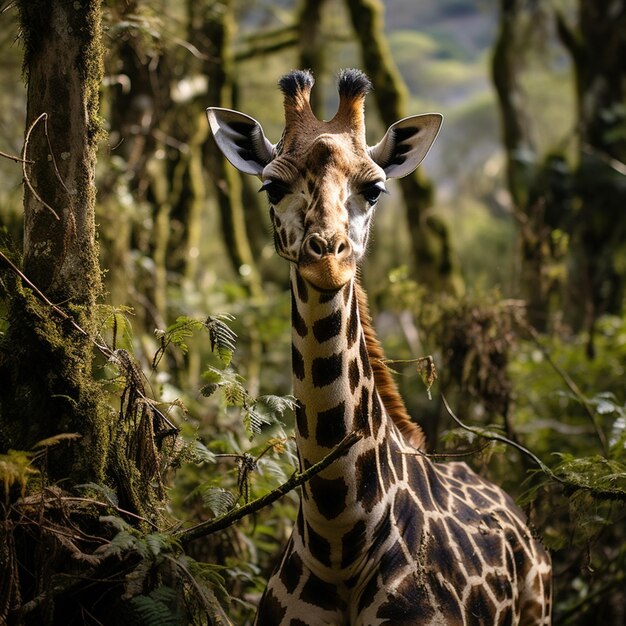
(383, 535)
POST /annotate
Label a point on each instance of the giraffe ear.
(241, 139)
(406, 143)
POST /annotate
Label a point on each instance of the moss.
(435, 264)
(43, 354)
(47, 365)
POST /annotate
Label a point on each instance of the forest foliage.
(503, 261)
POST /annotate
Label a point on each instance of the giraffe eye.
(275, 191)
(372, 192)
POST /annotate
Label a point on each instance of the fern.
(277, 405)
(176, 334)
(122, 543)
(154, 609)
(109, 494)
(595, 473)
(221, 336)
(218, 500)
(15, 469)
(56, 439)
(234, 394)
(209, 573)
(114, 319)
(199, 453)
(227, 380)
(254, 420)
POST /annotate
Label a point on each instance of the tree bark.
(529, 202)
(311, 48)
(45, 361)
(597, 48)
(433, 257)
(217, 25)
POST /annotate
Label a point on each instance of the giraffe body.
(383, 535)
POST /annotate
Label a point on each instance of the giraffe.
(383, 536)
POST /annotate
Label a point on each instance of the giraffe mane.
(385, 385)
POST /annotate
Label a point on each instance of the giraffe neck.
(383, 532)
(345, 505)
(332, 375)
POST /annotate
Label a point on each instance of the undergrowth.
(102, 552)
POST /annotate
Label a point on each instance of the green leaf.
(56, 439)
(278, 404)
(158, 608)
(253, 421)
(15, 469)
(218, 500)
(222, 337)
(109, 494)
(234, 394)
(121, 543)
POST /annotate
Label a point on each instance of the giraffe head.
(322, 180)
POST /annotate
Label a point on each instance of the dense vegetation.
(144, 411)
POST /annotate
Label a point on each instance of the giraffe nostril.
(343, 248)
(316, 246)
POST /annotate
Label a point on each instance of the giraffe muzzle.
(327, 262)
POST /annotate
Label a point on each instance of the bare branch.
(14, 158)
(572, 386)
(569, 483)
(207, 528)
(40, 294)
(489, 434)
(43, 116)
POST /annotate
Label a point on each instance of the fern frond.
(199, 453)
(222, 337)
(109, 494)
(176, 334)
(116, 320)
(15, 469)
(56, 439)
(121, 543)
(277, 405)
(154, 610)
(253, 421)
(234, 394)
(219, 501)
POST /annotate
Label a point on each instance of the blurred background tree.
(503, 257)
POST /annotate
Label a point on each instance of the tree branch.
(569, 483)
(209, 527)
(43, 116)
(14, 158)
(571, 385)
(489, 434)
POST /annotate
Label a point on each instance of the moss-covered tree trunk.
(45, 360)
(597, 47)
(311, 49)
(433, 257)
(217, 25)
(520, 160)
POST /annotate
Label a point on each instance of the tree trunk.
(434, 260)
(598, 48)
(216, 27)
(311, 48)
(139, 102)
(45, 360)
(529, 202)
